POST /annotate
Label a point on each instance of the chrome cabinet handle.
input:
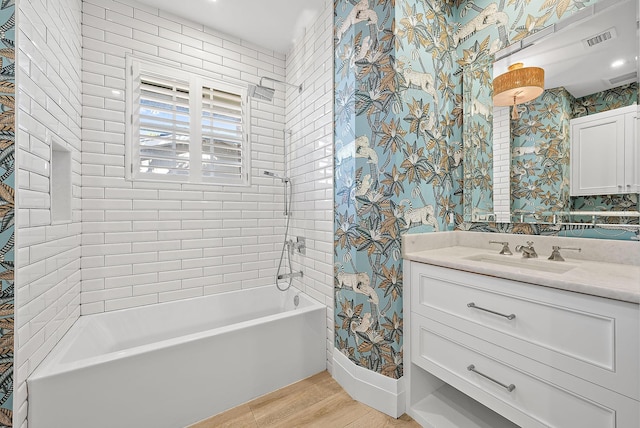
(473, 306)
(509, 388)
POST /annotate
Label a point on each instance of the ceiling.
(272, 24)
(580, 69)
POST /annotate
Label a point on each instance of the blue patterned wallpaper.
(398, 145)
(477, 135)
(371, 207)
(540, 155)
(610, 99)
(7, 209)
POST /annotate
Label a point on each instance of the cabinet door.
(597, 156)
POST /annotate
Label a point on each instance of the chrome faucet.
(528, 252)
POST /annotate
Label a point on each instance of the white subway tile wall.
(135, 243)
(501, 164)
(309, 146)
(148, 242)
(48, 256)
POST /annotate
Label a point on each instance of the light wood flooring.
(317, 401)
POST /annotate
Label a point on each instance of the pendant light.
(518, 85)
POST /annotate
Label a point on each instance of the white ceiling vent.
(596, 39)
(629, 77)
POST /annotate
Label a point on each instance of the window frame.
(136, 69)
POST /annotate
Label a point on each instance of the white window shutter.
(164, 123)
(185, 127)
(222, 135)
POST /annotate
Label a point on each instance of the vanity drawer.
(593, 338)
(533, 401)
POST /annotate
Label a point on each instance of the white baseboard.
(373, 389)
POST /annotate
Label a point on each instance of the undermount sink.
(541, 265)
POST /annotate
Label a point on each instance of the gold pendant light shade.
(518, 85)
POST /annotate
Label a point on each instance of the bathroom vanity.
(498, 340)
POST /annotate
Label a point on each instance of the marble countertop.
(604, 277)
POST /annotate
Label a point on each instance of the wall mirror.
(519, 170)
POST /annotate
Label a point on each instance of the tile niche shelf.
(60, 182)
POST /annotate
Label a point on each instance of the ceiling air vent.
(600, 37)
(625, 77)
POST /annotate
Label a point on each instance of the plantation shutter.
(222, 135)
(164, 125)
(185, 127)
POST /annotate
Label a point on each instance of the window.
(184, 127)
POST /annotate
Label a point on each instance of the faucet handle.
(505, 247)
(530, 243)
(555, 252)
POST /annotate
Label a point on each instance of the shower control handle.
(300, 245)
(290, 275)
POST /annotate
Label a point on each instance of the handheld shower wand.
(286, 182)
(287, 245)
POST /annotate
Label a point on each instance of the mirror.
(519, 170)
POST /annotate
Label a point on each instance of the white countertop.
(604, 278)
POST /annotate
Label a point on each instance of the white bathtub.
(173, 364)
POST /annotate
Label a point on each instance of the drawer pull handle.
(473, 306)
(509, 388)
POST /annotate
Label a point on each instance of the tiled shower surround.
(309, 143)
(49, 110)
(149, 242)
(133, 243)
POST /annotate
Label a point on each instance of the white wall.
(501, 164)
(310, 160)
(48, 257)
(149, 242)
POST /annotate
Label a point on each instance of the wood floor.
(317, 401)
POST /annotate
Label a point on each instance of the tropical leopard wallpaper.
(7, 193)
(398, 145)
(540, 155)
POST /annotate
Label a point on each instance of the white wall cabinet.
(484, 351)
(605, 156)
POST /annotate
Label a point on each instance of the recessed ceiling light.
(618, 63)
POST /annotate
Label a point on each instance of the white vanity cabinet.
(605, 154)
(536, 356)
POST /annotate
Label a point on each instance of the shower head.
(274, 175)
(263, 93)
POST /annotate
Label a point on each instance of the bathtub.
(173, 364)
